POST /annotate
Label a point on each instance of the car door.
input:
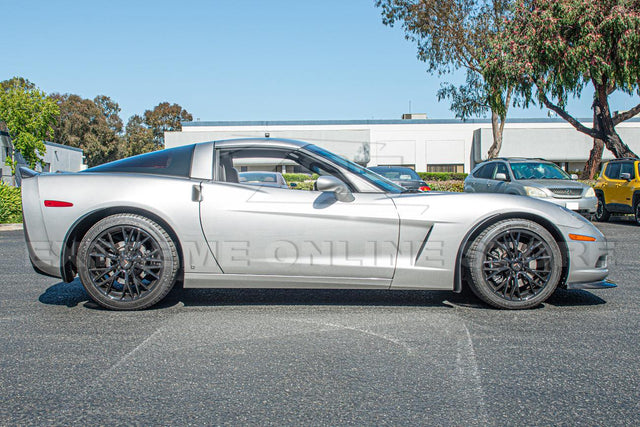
(287, 232)
(497, 185)
(624, 187)
(481, 178)
(610, 188)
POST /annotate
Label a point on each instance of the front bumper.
(600, 284)
(584, 205)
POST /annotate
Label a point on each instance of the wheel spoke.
(517, 264)
(119, 259)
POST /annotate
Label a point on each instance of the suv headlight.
(535, 192)
(590, 193)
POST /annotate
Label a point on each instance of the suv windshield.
(398, 174)
(370, 176)
(539, 170)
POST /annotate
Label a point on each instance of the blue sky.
(229, 59)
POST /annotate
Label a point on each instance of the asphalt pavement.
(301, 357)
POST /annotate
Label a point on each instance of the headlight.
(590, 193)
(535, 192)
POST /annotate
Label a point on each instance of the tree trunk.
(611, 139)
(497, 126)
(595, 155)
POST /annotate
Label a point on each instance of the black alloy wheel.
(515, 264)
(127, 262)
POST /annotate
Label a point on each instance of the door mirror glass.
(500, 176)
(331, 184)
(626, 176)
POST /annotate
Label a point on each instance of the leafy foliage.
(165, 117)
(10, 204)
(138, 138)
(452, 186)
(452, 35)
(552, 50)
(442, 176)
(83, 124)
(28, 115)
(111, 111)
(299, 177)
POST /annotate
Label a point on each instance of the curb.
(10, 227)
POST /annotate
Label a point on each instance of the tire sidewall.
(601, 214)
(477, 255)
(167, 249)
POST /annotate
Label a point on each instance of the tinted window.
(627, 168)
(485, 172)
(174, 162)
(501, 168)
(613, 170)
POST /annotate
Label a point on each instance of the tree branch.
(621, 117)
(572, 121)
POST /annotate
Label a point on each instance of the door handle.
(196, 193)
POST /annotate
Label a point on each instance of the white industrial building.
(57, 157)
(423, 144)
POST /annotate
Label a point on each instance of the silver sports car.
(132, 228)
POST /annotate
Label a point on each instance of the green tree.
(29, 116)
(452, 35)
(552, 50)
(111, 111)
(83, 124)
(165, 117)
(138, 138)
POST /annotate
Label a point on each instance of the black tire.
(127, 262)
(636, 212)
(514, 264)
(602, 214)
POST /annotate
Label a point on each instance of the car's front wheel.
(127, 262)
(637, 212)
(602, 214)
(514, 264)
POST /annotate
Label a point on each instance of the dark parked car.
(406, 177)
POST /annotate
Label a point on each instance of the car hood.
(469, 208)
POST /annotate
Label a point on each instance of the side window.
(486, 171)
(627, 167)
(263, 166)
(613, 170)
(501, 168)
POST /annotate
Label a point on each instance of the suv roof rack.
(623, 159)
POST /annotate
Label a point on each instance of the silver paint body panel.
(235, 235)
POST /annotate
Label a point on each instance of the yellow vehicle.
(618, 189)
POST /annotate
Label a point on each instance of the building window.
(452, 167)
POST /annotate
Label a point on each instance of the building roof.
(379, 122)
(62, 146)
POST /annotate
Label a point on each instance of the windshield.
(540, 170)
(374, 178)
(397, 174)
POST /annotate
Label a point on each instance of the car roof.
(260, 142)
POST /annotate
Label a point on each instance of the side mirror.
(500, 176)
(626, 176)
(574, 177)
(331, 184)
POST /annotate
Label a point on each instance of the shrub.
(442, 176)
(454, 186)
(299, 177)
(10, 204)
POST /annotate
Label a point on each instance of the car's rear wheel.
(514, 264)
(127, 262)
(602, 214)
(636, 211)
